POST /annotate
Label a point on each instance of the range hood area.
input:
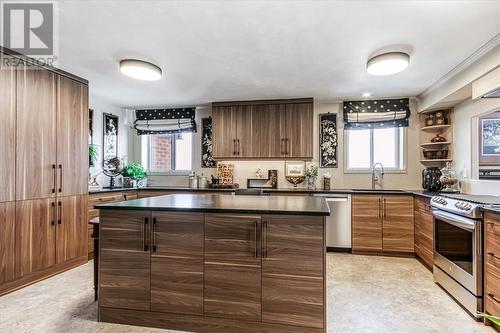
(487, 86)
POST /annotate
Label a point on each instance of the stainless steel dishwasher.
(338, 224)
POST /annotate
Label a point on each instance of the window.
(167, 152)
(366, 147)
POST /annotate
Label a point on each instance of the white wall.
(465, 145)
(100, 106)
(246, 169)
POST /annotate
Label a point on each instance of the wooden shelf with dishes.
(436, 138)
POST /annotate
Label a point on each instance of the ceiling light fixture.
(388, 63)
(367, 94)
(140, 70)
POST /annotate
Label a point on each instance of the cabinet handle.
(60, 178)
(54, 178)
(286, 147)
(53, 222)
(125, 197)
(234, 146)
(255, 239)
(264, 239)
(379, 208)
(59, 204)
(383, 209)
(494, 297)
(145, 234)
(493, 255)
(238, 146)
(154, 234)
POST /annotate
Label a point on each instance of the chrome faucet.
(377, 177)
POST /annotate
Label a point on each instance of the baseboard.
(338, 249)
(24, 281)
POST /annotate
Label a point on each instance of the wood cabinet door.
(398, 227)
(366, 222)
(299, 124)
(124, 270)
(36, 134)
(224, 120)
(232, 266)
(247, 131)
(177, 263)
(72, 137)
(71, 231)
(7, 130)
(7, 241)
(271, 130)
(35, 235)
(293, 270)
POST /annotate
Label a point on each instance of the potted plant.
(133, 173)
(93, 154)
(311, 174)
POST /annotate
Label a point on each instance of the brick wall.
(161, 149)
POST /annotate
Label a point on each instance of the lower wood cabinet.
(177, 262)
(233, 266)
(382, 224)
(7, 241)
(424, 231)
(40, 238)
(492, 264)
(293, 294)
(224, 269)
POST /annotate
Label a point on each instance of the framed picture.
(110, 136)
(328, 140)
(91, 126)
(490, 140)
(295, 169)
(207, 160)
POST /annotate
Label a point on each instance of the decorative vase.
(311, 183)
(127, 182)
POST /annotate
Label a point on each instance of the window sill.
(369, 171)
(170, 173)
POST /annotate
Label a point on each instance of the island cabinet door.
(293, 270)
(232, 266)
(177, 263)
(124, 270)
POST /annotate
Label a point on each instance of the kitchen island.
(214, 263)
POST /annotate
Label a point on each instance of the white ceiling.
(215, 51)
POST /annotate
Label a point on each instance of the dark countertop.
(488, 209)
(227, 204)
(277, 190)
(116, 189)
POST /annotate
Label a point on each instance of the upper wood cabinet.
(36, 134)
(263, 129)
(72, 136)
(7, 131)
(382, 224)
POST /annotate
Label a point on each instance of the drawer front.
(423, 204)
(492, 287)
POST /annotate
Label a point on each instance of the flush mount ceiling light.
(367, 94)
(140, 70)
(388, 63)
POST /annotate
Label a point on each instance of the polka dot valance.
(376, 113)
(165, 121)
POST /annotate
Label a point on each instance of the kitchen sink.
(376, 190)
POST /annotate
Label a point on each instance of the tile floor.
(365, 294)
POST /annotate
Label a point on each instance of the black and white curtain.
(376, 113)
(165, 121)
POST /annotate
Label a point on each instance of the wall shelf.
(436, 128)
(435, 145)
(436, 161)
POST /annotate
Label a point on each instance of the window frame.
(402, 157)
(173, 156)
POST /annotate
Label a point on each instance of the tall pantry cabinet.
(43, 171)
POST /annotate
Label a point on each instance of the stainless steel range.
(458, 244)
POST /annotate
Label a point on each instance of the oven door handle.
(456, 220)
